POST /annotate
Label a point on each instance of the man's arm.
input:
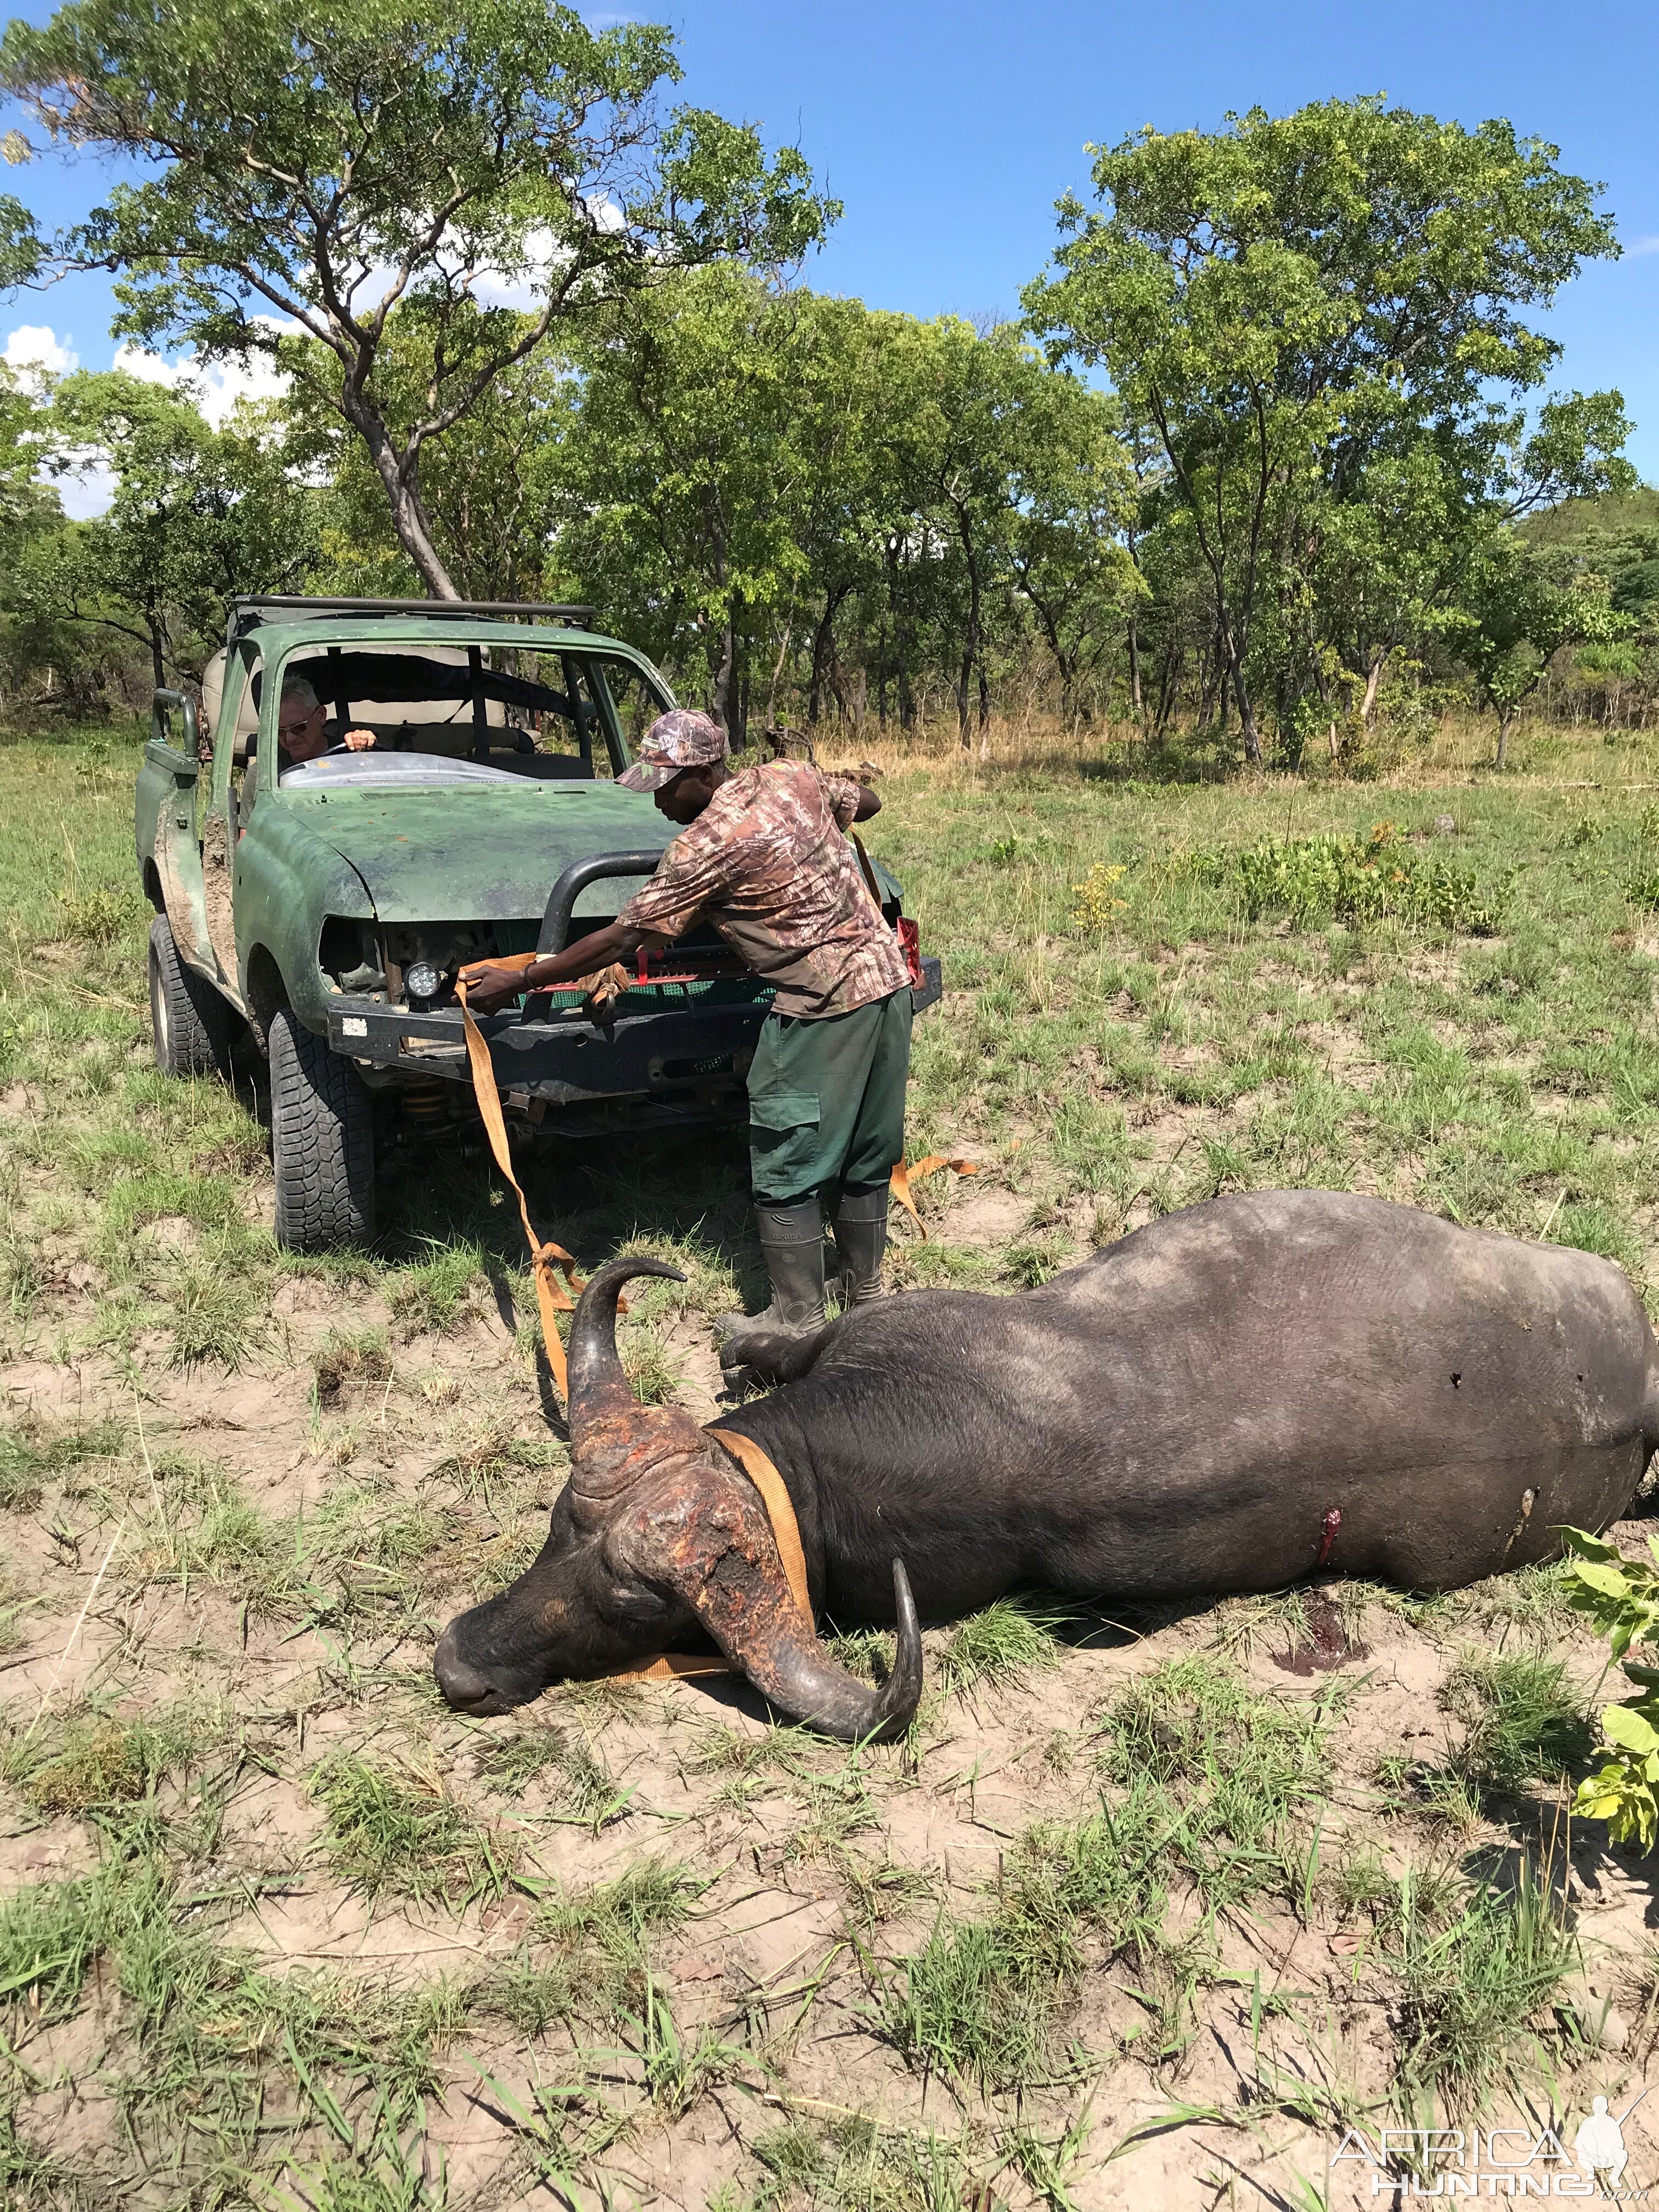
(488, 986)
(868, 804)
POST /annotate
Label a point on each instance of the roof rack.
(247, 613)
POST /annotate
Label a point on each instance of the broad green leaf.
(1626, 1726)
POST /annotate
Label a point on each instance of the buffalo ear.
(705, 1535)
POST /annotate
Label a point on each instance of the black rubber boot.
(792, 1243)
(861, 1220)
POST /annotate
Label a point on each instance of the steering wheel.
(344, 748)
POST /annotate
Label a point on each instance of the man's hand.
(488, 986)
(358, 741)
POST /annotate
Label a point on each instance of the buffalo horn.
(608, 1424)
(762, 1632)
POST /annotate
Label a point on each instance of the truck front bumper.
(681, 1056)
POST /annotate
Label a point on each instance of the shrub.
(1094, 902)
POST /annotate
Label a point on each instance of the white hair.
(297, 687)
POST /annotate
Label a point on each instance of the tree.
(1075, 507)
(322, 166)
(1292, 303)
(25, 504)
(1518, 617)
(489, 487)
(20, 246)
(196, 515)
(682, 493)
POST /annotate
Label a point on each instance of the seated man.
(302, 727)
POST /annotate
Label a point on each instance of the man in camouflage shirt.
(764, 857)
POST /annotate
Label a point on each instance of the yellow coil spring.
(426, 1105)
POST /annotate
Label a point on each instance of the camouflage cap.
(683, 738)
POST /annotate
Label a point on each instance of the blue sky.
(948, 131)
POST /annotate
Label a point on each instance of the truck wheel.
(322, 1142)
(188, 1019)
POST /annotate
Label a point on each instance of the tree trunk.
(399, 475)
(1135, 669)
(720, 707)
(1247, 726)
(1246, 708)
(970, 643)
(905, 693)
(823, 655)
(1373, 680)
(1505, 716)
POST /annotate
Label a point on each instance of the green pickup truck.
(326, 905)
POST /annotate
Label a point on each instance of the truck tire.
(322, 1142)
(188, 1022)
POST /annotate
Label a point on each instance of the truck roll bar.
(555, 922)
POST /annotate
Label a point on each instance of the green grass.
(595, 1957)
(857, 2166)
(1236, 1764)
(982, 2000)
(31, 1457)
(1523, 1719)
(90, 1758)
(350, 1355)
(1474, 1992)
(390, 1834)
(1005, 1644)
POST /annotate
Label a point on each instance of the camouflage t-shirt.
(766, 862)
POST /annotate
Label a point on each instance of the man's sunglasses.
(298, 729)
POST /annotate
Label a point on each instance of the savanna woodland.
(1257, 644)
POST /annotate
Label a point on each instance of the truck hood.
(481, 853)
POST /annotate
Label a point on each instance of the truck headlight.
(423, 981)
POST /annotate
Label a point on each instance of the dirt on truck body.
(328, 904)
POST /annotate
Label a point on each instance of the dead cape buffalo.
(1238, 1397)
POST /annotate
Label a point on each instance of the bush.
(1315, 880)
(1094, 902)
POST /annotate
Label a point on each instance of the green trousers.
(826, 1099)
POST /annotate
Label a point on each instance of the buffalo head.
(655, 1532)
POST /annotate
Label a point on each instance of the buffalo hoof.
(760, 1350)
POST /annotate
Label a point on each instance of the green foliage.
(1094, 902)
(1355, 880)
(1516, 617)
(1003, 1644)
(1621, 1598)
(1309, 314)
(1473, 1990)
(1236, 1762)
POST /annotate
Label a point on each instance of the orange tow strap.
(786, 1533)
(553, 1299)
(903, 1176)
(552, 1296)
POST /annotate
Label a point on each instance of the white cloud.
(216, 389)
(89, 491)
(1639, 248)
(34, 351)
